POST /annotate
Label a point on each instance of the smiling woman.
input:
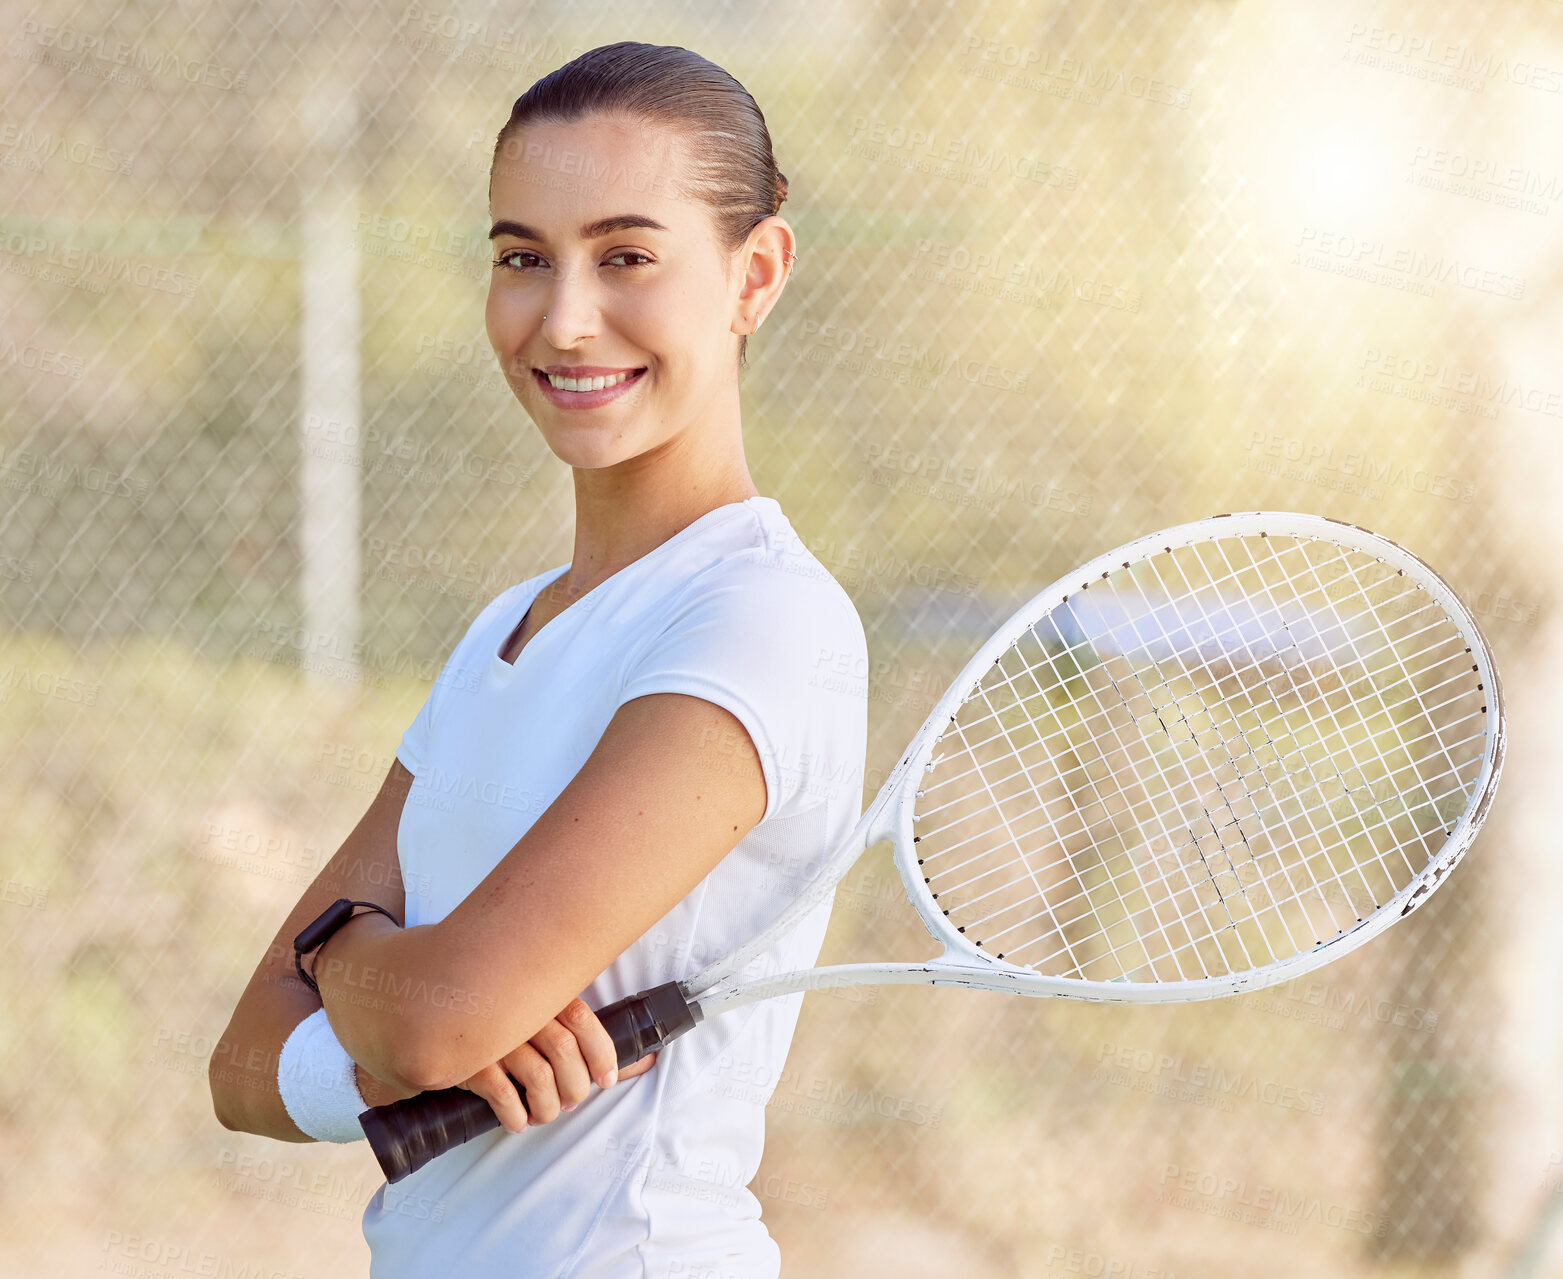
(629, 762)
(660, 286)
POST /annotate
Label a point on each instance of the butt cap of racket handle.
(406, 1134)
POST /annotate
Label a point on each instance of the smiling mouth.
(581, 385)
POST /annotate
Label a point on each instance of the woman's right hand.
(557, 1067)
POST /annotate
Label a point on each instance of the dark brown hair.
(732, 170)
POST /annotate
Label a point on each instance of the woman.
(630, 763)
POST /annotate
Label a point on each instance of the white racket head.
(1208, 761)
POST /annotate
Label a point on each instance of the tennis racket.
(1202, 764)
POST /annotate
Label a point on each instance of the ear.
(765, 262)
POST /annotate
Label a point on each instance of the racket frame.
(888, 817)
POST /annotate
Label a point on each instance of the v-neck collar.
(504, 670)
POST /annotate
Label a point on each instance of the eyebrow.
(591, 231)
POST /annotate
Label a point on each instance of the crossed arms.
(650, 813)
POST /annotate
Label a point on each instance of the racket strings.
(1210, 816)
(1205, 762)
(1041, 895)
(1121, 790)
(1305, 815)
(1337, 623)
(1108, 712)
(1092, 783)
(1438, 627)
(927, 832)
(1230, 818)
(1231, 821)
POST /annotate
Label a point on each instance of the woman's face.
(591, 231)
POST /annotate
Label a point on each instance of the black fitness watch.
(318, 933)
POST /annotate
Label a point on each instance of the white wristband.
(318, 1082)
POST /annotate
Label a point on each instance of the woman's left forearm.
(362, 971)
(390, 998)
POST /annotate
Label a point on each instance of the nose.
(571, 311)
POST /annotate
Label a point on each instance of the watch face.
(329, 920)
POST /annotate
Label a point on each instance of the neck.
(623, 512)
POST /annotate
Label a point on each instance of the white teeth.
(585, 383)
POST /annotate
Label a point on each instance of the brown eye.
(504, 259)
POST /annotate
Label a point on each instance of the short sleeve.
(415, 740)
(785, 653)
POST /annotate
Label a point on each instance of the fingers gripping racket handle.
(405, 1135)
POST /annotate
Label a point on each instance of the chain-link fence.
(1068, 273)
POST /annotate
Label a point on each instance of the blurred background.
(1068, 273)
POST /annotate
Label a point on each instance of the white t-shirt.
(649, 1178)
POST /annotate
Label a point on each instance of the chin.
(584, 453)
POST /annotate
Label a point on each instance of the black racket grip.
(406, 1134)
